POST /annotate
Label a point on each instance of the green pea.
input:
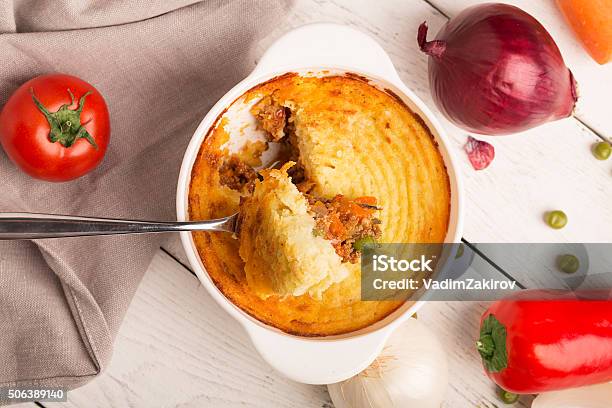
(568, 263)
(602, 150)
(508, 397)
(460, 251)
(556, 219)
(362, 242)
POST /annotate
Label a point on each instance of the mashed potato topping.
(282, 255)
(352, 140)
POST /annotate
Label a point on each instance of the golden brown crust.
(392, 157)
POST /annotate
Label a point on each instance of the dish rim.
(397, 90)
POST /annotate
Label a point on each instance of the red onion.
(493, 69)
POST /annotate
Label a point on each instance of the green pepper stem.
(492, 344)
(486, 345)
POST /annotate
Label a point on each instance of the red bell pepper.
(540, 341)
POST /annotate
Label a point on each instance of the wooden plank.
(536, 265)
(594, 82)
(177, 347)
(174, 247)
(546, 168)
(457, 326)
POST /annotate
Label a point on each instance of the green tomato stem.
(65, 124)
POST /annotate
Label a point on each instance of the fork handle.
(15, 226)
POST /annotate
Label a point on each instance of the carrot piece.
(358, 211)
(336, 228)
(366, 200)
(591, 20)
(353, 207)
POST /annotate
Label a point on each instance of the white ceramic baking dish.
(322, 49)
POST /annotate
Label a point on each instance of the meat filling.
(271, 117)
(276, 121)
(237, 175)
(348, 224)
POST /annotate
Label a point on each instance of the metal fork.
(17, 225)
(14, 226)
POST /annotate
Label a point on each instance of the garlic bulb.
(411, 371)
(593, 396)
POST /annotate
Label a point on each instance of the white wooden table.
(178, 348)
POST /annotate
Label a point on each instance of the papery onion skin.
(494, 70)
(480, 153)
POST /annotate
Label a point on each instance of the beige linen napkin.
(160, 65)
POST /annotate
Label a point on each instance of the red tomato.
(55, 127)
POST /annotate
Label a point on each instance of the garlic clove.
(411, 371)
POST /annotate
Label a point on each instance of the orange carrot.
(366, 200)
(591, 20)
(336, 228)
